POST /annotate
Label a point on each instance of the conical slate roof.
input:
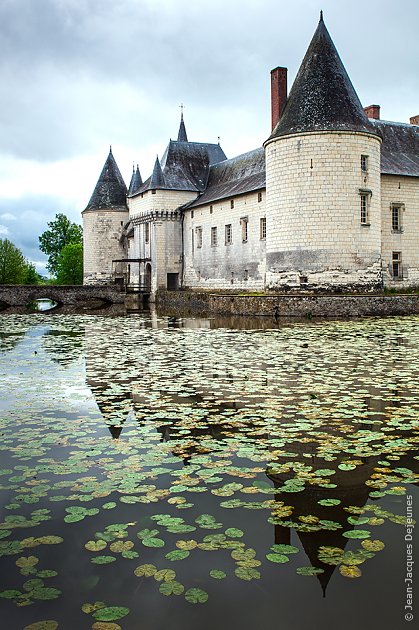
(182, 137)
(157, 177)
(136, 181)
(110, 190)
(322, 97)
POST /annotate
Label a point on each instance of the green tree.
(31, 276)
(61, 232)
(70, 264)
(12, 263)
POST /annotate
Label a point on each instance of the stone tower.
(323, 182)
(103, 219)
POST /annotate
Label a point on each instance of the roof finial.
(133, 168)
(181, 110)
(110, 149)
(219, 138)
(321, 16)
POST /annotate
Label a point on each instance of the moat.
(188, 472)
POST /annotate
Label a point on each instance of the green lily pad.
(111, 613)
(171, 588)
(217, 574)
(196, 596)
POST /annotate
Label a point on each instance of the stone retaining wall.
(290, 305)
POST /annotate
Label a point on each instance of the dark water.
(259, 475)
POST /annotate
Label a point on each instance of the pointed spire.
(110, 190)
(157, 178)
(322, 97)
(136, 181)
(182, 137)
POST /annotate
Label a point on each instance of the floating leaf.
(196, 596)
(217, 575)
(373, 545)
(95, 545)
(111, 613)
(350, 571)
(171, 588)
(277, 557)
(357, 533)
(287, 549)
(233, 532)
(166, 575)
(153, 542)
(328, 502)
(247, 573)
(146, 570)
(177, 554)
(309, 570)
(103, 559)
(47, 624)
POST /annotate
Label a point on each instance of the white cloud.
(4, 231)
(7, 216)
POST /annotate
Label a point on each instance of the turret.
(323, 182)
(103, 218)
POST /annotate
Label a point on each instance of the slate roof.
(157, 179)
(322, 97)
(184, 166)
(242, 174)
(399, 149)
(110, 190)
(136, 182)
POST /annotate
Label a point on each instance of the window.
(211, 208)
(228, 234)
(365, 196)
(153, 192)
(214, 237)
(396, 264)
(192, 214)
(147, 232)
(396, 216)
(246, 274)
(244, 222)
(259, 197)
(232, 203)
(364, 163)
(198, 232)
(263, 228)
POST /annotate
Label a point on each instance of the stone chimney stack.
(373, 111)
(278, 93)
(414, 120)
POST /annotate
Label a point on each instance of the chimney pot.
(414, 120)
(278, 93)
(373, 111)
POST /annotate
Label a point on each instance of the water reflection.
(261, 453)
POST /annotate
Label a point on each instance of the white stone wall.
(161, 200)
(239, 265)
(101, 233)
(314, 232)
(164, 245)
(404, 191)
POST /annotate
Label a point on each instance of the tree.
(70, 264)
(31, 276)
(62, 232)
(12, 263)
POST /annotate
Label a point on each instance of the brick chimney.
(278, 93)
(414, 120)
(373, 111)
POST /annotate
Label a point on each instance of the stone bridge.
(19, 295)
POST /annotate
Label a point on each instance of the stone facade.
(403, 193)
(235, 258)
(315, 233)
(101, 243)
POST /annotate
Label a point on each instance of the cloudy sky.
(79, 75)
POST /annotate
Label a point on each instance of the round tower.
(323, 197)
(103, 219)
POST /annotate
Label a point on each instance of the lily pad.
(196, 596)
(111, 613)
